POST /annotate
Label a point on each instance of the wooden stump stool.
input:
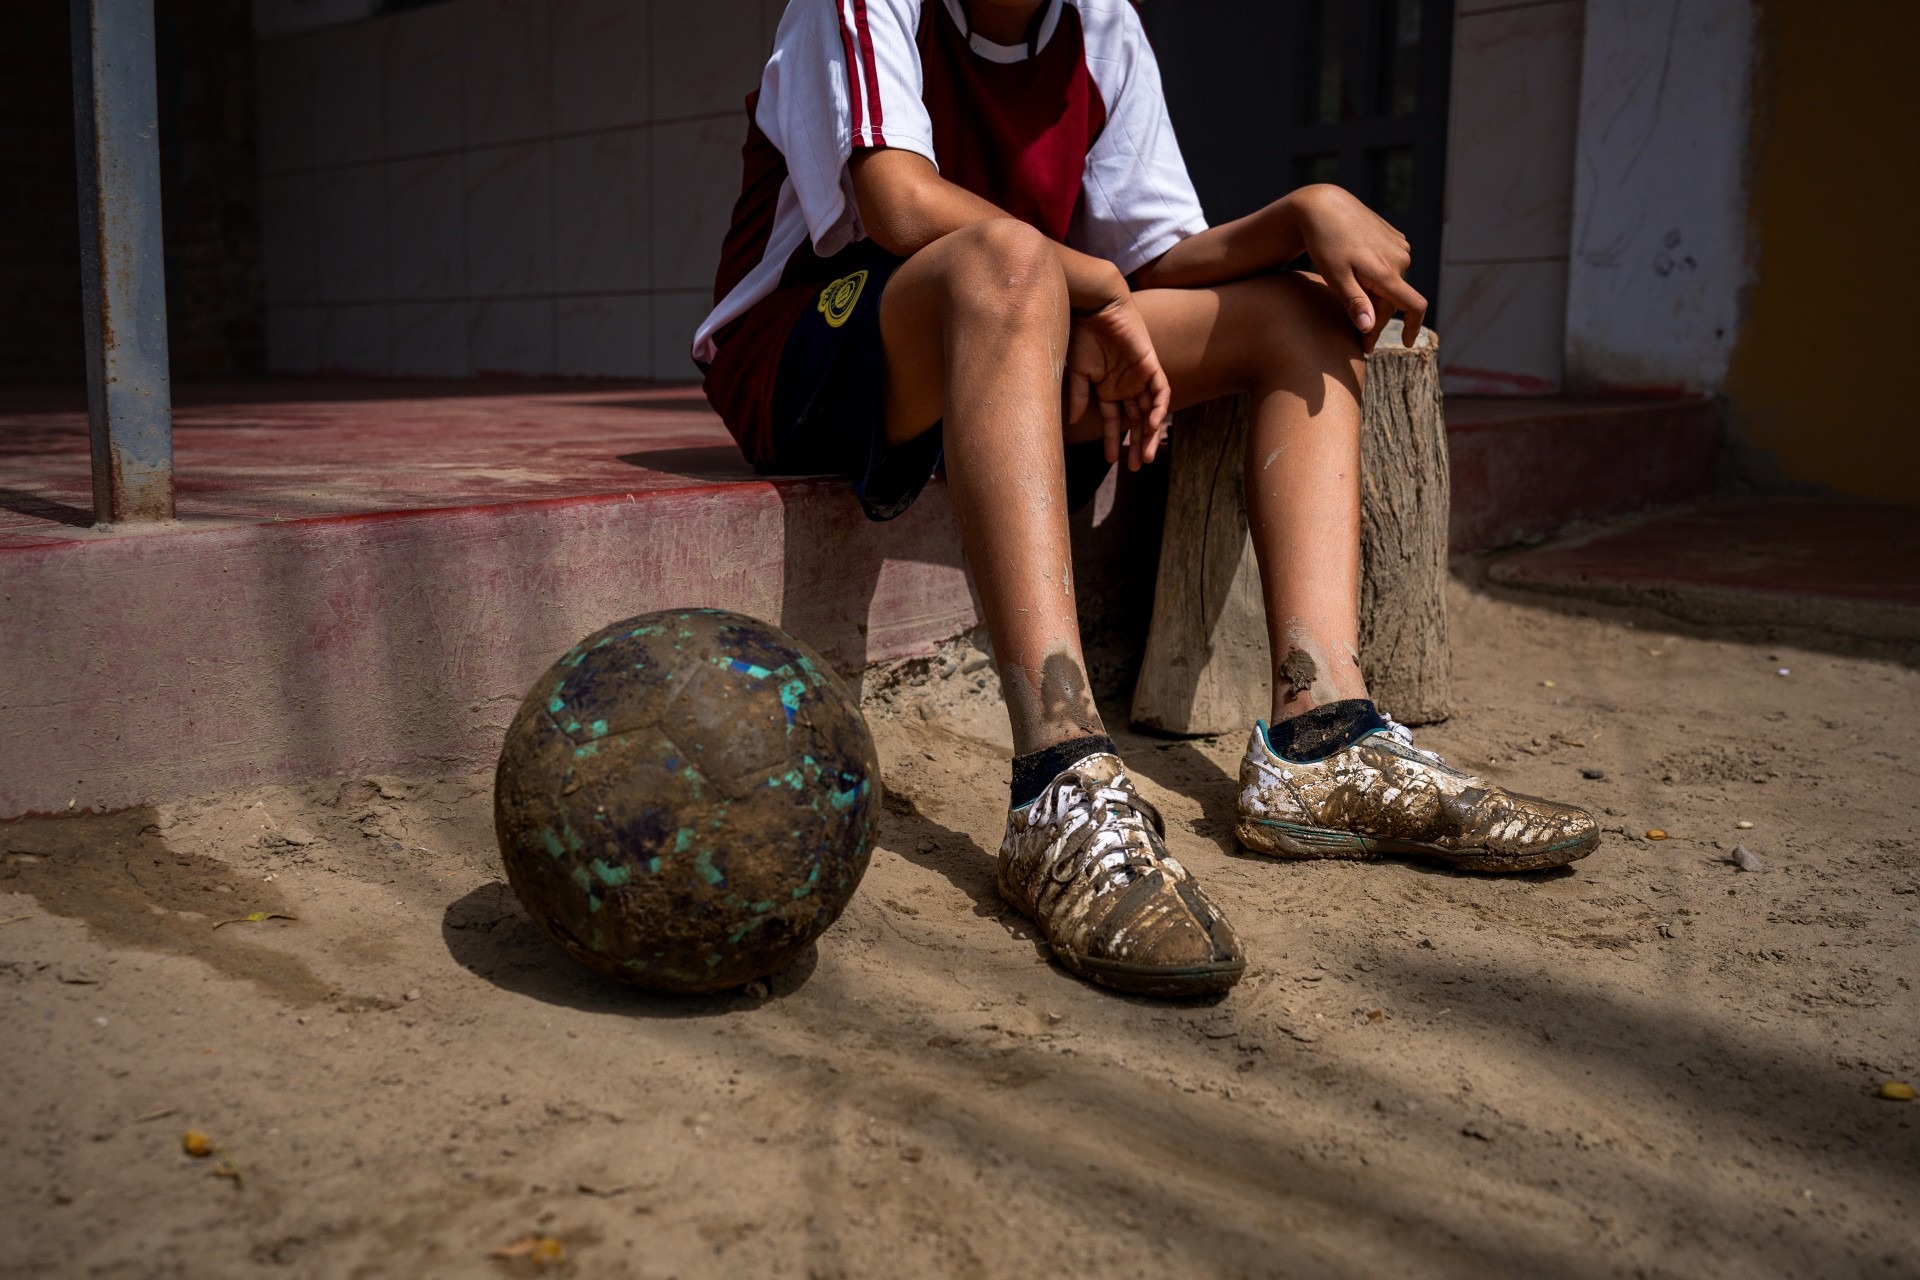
(1207, 667)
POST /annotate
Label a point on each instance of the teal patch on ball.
(687, 799)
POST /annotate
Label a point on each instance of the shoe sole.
(1174, 982)
(1292, 840)
(1183, 982)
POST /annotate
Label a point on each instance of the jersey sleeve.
(844, 75)
(1136, 198)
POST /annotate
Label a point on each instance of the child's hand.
(1111, 361)
(1363, 258)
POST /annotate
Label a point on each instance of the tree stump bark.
(1405, 495)
(1208, 668)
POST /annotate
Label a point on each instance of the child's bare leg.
(975, 331)
(1286, 341)
(1329, 793)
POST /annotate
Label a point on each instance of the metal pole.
(123, 279)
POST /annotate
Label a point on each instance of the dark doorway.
(1268, 95)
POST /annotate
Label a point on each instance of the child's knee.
(1005, 268)
(1317, 316)
(1303, 329)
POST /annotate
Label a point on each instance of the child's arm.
(905, 205)
(1361, 255)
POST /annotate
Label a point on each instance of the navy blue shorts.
(829, 406)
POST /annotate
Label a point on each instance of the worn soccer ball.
(687, 799)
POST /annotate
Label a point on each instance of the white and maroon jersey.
(1068, 132)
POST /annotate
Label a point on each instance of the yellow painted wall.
(1821, 385)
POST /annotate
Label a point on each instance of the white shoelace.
(1114, 814)
(1404, 736)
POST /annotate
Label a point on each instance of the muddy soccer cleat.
(1382, 795)
(1087, 862)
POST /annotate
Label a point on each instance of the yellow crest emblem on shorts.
(837, 299)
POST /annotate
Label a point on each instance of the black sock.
(1317, 734)
(1033, 771)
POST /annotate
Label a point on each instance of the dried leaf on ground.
(535, 1246)
(255, 917)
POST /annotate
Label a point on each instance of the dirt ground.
(1650, 1064)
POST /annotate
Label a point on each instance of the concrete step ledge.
(193, 659)
(388, 627)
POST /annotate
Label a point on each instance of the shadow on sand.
(489, 934)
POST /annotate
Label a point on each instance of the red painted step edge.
(1524, 468)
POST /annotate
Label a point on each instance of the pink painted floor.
(1830, 549)
(289, 450)
(277, 450)
(305, 449)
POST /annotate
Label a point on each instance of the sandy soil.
(1651, 1064)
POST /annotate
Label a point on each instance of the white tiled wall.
(1661, 260)
(503, 186)
(1510, 146)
